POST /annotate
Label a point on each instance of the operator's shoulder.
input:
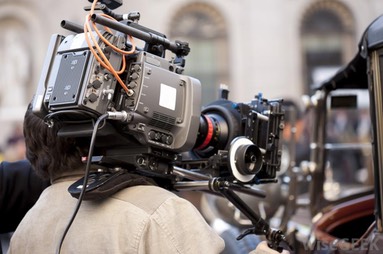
(147, 197)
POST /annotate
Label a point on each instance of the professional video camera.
(151, 117)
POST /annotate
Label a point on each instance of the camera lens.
(220, 123)
(213, 132)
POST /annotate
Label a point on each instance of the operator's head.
(49, 154)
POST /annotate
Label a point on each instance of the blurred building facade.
(278, 47)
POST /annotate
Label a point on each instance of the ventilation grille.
(162, 121)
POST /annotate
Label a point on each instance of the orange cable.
(104, 61)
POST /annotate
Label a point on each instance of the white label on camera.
(168, 96)
(78, 41)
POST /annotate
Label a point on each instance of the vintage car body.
(352, 224)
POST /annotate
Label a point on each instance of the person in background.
(20, 188)
(296, 133)
(14, 149)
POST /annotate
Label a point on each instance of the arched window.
(327, 40)
(204, 28)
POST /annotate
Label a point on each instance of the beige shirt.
(139, 219)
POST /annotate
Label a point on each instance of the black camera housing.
(161, 118)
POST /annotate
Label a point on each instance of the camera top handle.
(179, 48)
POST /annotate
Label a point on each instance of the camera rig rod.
(275, 238)
(189, 174)
(68, 25)
(178, 48)
(205, 182)
(207, 186)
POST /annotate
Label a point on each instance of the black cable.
(82, 114)
(86, 174)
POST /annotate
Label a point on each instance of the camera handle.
(179, 48)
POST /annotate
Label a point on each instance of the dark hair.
(48, 153)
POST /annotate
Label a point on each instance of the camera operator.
(142, 218)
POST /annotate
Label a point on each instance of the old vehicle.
(351, 222)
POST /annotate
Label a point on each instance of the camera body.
(159, 119)
(162, 110)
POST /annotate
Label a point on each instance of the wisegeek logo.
(348, 245)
